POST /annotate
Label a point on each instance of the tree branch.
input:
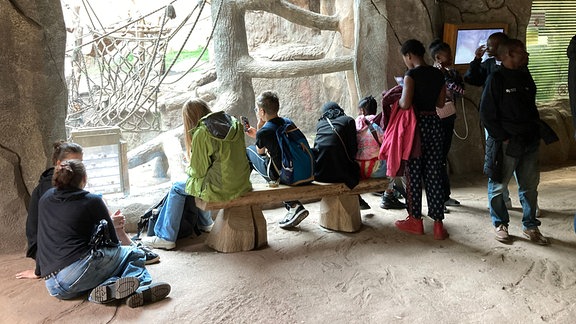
(292, 13)
(274, 69)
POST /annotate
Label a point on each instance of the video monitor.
(464, 39)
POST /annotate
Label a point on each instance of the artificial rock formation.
(32, 103)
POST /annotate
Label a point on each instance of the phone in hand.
(245, 122)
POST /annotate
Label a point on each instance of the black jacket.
(66, 220)
(44, 183)
(333, 165)
(478, 71)
(508, 107)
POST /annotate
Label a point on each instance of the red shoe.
(410, 225)
(439, 232)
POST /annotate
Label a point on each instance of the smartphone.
(245, 122)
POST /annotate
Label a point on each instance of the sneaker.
(206, 229)
(410, 225)
(158, 243)
(390, 202)
(535, 236)
(152, 293)
(293, 217)
(151, 257)
(452, 202)
(119, 289)
(440, 233)
(363, 204)
(502, 233)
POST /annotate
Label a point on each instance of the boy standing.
(266, 154)
(509, 114)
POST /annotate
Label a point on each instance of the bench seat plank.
(262, 194)
(240, 224)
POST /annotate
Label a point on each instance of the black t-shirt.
(266, 138)
(428, 82)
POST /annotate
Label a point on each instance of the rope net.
(117, 82)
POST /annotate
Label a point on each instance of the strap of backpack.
(372, 130)
(339, 137)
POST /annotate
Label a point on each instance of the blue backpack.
(297, 158)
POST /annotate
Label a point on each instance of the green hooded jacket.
(219, 169)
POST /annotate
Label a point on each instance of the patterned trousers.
(427, 170)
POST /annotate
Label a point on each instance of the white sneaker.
(158, 243)
(206, 229)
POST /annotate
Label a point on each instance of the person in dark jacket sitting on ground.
(65, 151)
(71, 263)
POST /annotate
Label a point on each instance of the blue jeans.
(100, 268)
(526, 168)
(168, 222)
(264, 167)
(261, 163)
(506, 192)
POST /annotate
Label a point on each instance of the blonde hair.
(192, 111)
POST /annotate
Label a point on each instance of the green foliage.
(186, 55)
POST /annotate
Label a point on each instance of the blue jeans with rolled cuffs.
(526, 168)
(100, 268)
(168, 222)
(261, 163)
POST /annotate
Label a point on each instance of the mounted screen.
(464, 39)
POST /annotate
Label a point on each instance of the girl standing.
(424, 90)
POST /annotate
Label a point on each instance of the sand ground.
(377, 275)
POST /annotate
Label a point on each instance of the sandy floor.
(378, 275)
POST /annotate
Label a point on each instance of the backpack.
(297, 159)
(188, 223)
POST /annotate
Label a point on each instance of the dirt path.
(378, 275)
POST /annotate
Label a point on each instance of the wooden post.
(238, 229)
(341, 213)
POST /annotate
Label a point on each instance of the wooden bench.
(240, 224)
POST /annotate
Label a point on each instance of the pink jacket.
(398, 139)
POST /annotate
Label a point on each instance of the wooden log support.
(241, 226)
(341, 213)
(238, 229)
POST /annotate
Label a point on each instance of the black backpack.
(188, 223)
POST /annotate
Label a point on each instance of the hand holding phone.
(245, 122)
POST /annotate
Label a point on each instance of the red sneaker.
(440, 232)
(410, 225)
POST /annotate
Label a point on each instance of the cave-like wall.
(32, 104)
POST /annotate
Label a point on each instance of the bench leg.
(340, 213)
(238, 229)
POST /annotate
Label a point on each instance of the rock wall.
(32, 105)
